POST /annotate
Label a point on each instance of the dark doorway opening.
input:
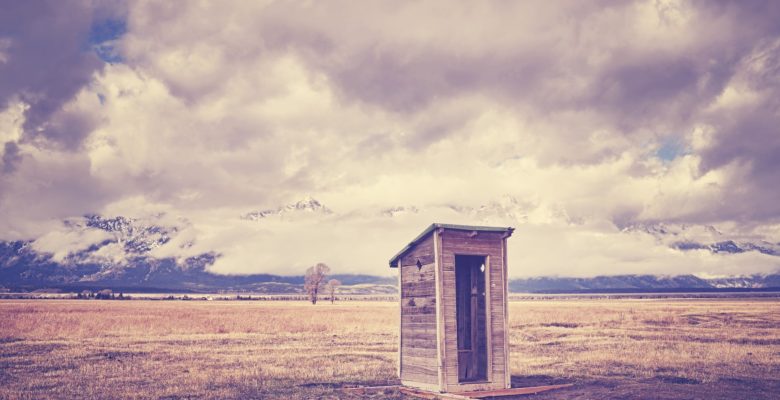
(470, 308)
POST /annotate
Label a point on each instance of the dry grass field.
(674, 349)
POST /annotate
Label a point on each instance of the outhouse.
(453, 295)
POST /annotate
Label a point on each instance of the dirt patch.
(119, 355)
(569, 325)
(677, 380)
(18, 348)
(704, 339)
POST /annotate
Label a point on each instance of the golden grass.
(145, 349)
(156, 349)
(696, 341)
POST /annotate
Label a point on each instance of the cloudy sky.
(571, 121)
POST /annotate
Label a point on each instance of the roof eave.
(433, 226)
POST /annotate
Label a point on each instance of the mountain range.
(643, 283)
(306, 206)
(125, 260)
(125, 254)
(24, 269)
(703, 237)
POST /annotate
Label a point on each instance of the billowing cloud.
(45, 64)
(591, 117)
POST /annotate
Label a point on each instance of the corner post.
(504, 278)
(437, 269)
(400, 319)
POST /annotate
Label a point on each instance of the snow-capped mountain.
(24, 268)
(506, 209)
(503, 210)
(135, 237)
(660, 230)
(94, 249)
(118, 252)
(400, 210)
(161, 251)
(306, 207)
(704, 237)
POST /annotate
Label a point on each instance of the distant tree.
(333, 284)
(315, 275)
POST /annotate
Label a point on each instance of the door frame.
(488, 321)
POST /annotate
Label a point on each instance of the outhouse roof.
(433, 226)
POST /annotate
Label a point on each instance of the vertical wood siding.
(418, 315)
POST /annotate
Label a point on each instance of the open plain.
(660, 349)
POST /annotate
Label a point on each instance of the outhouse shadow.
(520, 381)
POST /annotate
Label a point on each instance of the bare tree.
(333, 284)
(315, 275)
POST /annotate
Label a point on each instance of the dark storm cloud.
(638, 80)
(751, 139)
(748, 135)
(11, 157)
(48, 62)
(637, 83)
(409, 82)
(640, 91)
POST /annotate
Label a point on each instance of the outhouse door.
(471, 323)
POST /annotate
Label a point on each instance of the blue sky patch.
(671, 149)
(103, 35)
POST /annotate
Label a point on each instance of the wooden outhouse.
(453, 295)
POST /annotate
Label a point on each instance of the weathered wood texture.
(418, 315)
(428, 356)
(489, 244)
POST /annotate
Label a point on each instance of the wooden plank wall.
(487, 244)
(418, 315)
